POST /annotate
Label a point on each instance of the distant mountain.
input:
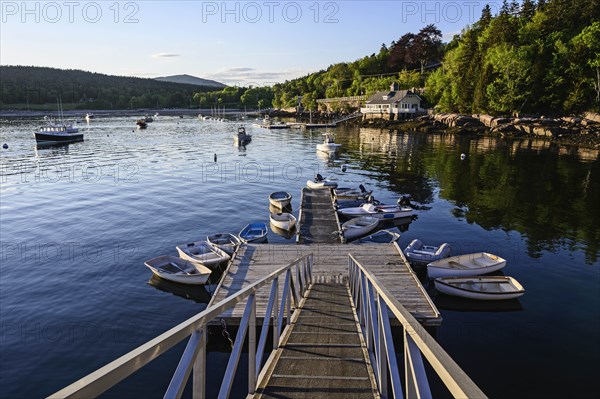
(25, 86)
(191, 80)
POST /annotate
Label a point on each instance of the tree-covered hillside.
(533, 57)
(22, 85)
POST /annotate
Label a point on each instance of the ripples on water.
(78, 221)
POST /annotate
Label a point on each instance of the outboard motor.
(404, 200)
(362, 188)
(318, 177)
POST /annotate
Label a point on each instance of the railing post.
(417, 385)
(199, 370)
(275, 315)
(382, 361)
(252, 348)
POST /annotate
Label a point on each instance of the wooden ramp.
(317, 221)
(323, 355)
(253, 262)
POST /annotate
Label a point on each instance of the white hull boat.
(359, 226)
(254, 232)
(320, 183)
(283, 221)
(383, 212)
(488, 288)
(280, 199)
(202, 252)
(179, 270)
(380, 237)
(474, 264)
(241, 138)
(329, 145)
(225, 241)
(416, 251)
(346, 193)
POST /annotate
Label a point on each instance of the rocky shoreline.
(583, 131)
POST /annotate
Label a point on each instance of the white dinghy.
(319, 182)
(359, 226)
(418, 252)
(489, 288)
(280, 199)
(203, 253)
(225, 241)
(384, 212)
(283, 221)
(178, 270)
(380, 237)
(474, 264)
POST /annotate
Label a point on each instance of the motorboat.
(346, 193)
(380, 237)
(148, 119)
(141, 124)
(178, 270)
(487, 288)
(254, 232)
(280, 199)
(319, 182)
(474, 264)
(358, 226)
(416, 251)
(349, 197)
(328, 145)
(204, 253)
(57, 132)
(384, 212)
(241, 137)
(226, 241)
(283, 220)
(89, 116)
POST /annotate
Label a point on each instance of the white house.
(392, 104)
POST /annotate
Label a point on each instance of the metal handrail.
(194, 356)
(373, 301)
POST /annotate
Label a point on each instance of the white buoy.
(462, 156)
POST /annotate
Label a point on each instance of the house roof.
(390, 97)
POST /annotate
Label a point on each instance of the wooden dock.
(318, 221)
(323, 354)
(386, 261)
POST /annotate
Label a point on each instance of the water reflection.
(447, 302)
(535, 187)
(196, 293)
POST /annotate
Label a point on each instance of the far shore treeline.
(533, 57)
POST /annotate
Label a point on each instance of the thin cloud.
(165, 55)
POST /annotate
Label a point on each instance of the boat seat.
(483, 262)
(417, 251)
(457, 265)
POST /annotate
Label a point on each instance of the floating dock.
(318, 224)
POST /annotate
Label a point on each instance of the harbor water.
(79, 220)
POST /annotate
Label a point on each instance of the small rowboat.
(280, 199)
(359, 226)
(420, 253)
(380, 237)
(202, 252)
(488, 288)
(225, 241)
(254, 232)
(346, 193)
(283, 221)
(178, 270)
(474, 264)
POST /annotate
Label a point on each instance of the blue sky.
(238, 43)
